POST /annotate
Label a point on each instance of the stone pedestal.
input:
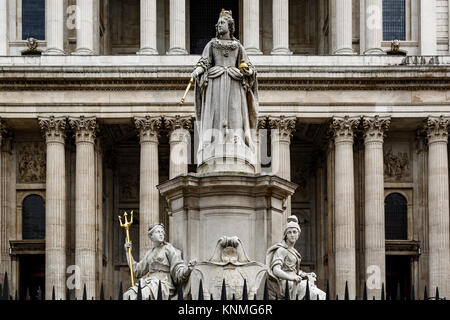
(206, 207)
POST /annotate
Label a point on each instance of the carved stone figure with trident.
(127, 226)
(161, 264)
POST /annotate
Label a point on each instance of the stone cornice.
(437, 129)
(54, 128)
(375, 128)
(85, 129)
(148, 128)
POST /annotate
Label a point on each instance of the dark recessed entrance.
(398, 272)
(32, 275)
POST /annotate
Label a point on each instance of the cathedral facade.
(353, 108)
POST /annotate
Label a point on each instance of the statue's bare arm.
(283, 275)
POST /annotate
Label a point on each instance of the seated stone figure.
(283, 263)
(161, 263)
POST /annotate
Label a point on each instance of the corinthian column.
(374, 249)
(85, 240)
(148, 27)
(177, 27)
(373, 27)
(251, 26)
(4, 241)
(55, 213)
(179, 136)
(343, 27)
(88, 33)
(281, 133)
(54, 26)
(280, 21)
(345, 259)
(149, 177)
(438, 205)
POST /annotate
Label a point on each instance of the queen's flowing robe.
(225, 100)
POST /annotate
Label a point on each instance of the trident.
(126, 226)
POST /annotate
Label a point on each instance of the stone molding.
(85, 129)
(375, 128)
(149, 128)
(284, 125)
(54, 128)
(437, 129)
(343, 128)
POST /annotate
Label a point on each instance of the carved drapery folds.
(85, 129)
(148, 128)
(54, 128)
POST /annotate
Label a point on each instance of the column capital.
(179, 127)
(85, 128)
(148, 128)
(54, 128)
(285, 126)
(437, 129)
(343, 128)
(375, 128)
(262, 122)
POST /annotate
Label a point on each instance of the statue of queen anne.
(226, 93)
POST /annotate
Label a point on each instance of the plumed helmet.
(292, 222)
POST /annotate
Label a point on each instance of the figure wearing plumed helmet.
(283, 262)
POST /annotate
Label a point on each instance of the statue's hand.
(127, 245)
(297, 278)
(246, 72)
(197, 72)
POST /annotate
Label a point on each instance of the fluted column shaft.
(4, 241)
(179, 137)
(177, 27)
(54, 26)
(251, 26)
(343, 27)
(373, 28)
(4, 30)
(281, 134)
(374, 230)
(438, 206)
(55, 213)
(148, 27)
(280, 22)
(428, 45)
(87, 27)
(262, 125)
(345, 256)
(85, 190)
(149, 178)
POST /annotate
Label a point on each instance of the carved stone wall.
(31, 159)
(397, 161)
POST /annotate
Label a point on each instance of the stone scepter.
(126, 226)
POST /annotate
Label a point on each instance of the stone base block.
(205, 207)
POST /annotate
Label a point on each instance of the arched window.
(203, 18)
(33, 19)
(396, 215)
(394, 20)
(33, 218)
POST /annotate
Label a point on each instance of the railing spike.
(67, 294)
(211, 297)
(244, 291)
(39, 293)
(425, 294)
(307, 293)
(382, 291)
(365, 291)
(84, 292)
(200, 291)
(5, 287)
(180, 291)
(120, 291)
(27, 297)
(266, 291)
(139, 291)
(413, 293)
(346, 297)
(327, 295)
(53, 293)
(286, 291)
(223, 295)
(437, 293)
(159, 294)
(102, 292)
(398, 294)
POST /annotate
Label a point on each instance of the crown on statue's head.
(225, 13)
